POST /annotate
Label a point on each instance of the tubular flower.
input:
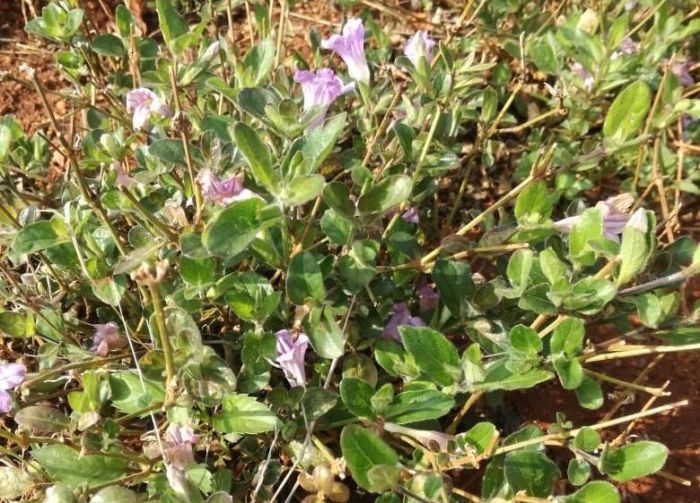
(433, 440)
(682, 71)
(141, 103)
(123, 178)
(401, 317)
(427, 297)
(320, 89)
(351, 47)
(419, 45)
(614, 212)
(107, 338)
(290, 356)
(11, 376)
(178, 445)
(222, 192)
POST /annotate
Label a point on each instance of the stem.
(97, 362)
(185, 136)
(473, 398)
(639, 351)
(428, 141)
(657, 392)
(163, 333)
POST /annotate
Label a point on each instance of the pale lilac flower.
(419, 45)
(123, 178)
(178, 444)
(290, 356)
(626, 47)
(682, 71)
(222, 192)
(320, 89)
(351, 47)
(427, 297)
(614, 212)
(400, 317)
(411, 215)
(11, 376)
(107, 338)
(141, 103)
(639, 221)
(433, 440)
(584, 75)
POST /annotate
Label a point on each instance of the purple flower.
(107, 338)
(290, 356)
(178, 444)
(320, 89)
(401, 317)
(419, 45)
(351, 47)
(141, 103)
(682, 71)
(411, 215)
(427, 297)
(11, 376)
(614, 212)
(123, 178)
(222, 192)
(584, 75)
(433, 440)
(626, 47)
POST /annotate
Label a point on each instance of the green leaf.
(304, 279)
(532, 472)
(42, 418)
(302, 189)
(318, 401)
(318, 143)
(169, 20)
(114, 494)
(382, 478)
(578, 472)
(232, 230)
(256, 154)
(413, 406)
(552, 267)
(129, 395)
(260, 60)
(589, 227)
(480, 436)
(627, 112)
(38, 236)
(454, 283)
(357, 395)
(534, 204)
(434, 353)
(337, 196)
(68, 466)
(569, 370)
(250, 296)
(633, 460)
(243, 414)
(525, 340)
(108, 45)
(587, 439)
(595, 492)
(324, 333)
(197, 272)
(169, 151)
(499, 377)
(568, 337)
(589, 394)
(390, 192)
(363, 450)
(16, 324)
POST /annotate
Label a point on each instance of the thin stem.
(473, 398)
(97, 362)
(639, 351)
(166, 231)
(428, 141)
(657, 392)
(164, 338)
